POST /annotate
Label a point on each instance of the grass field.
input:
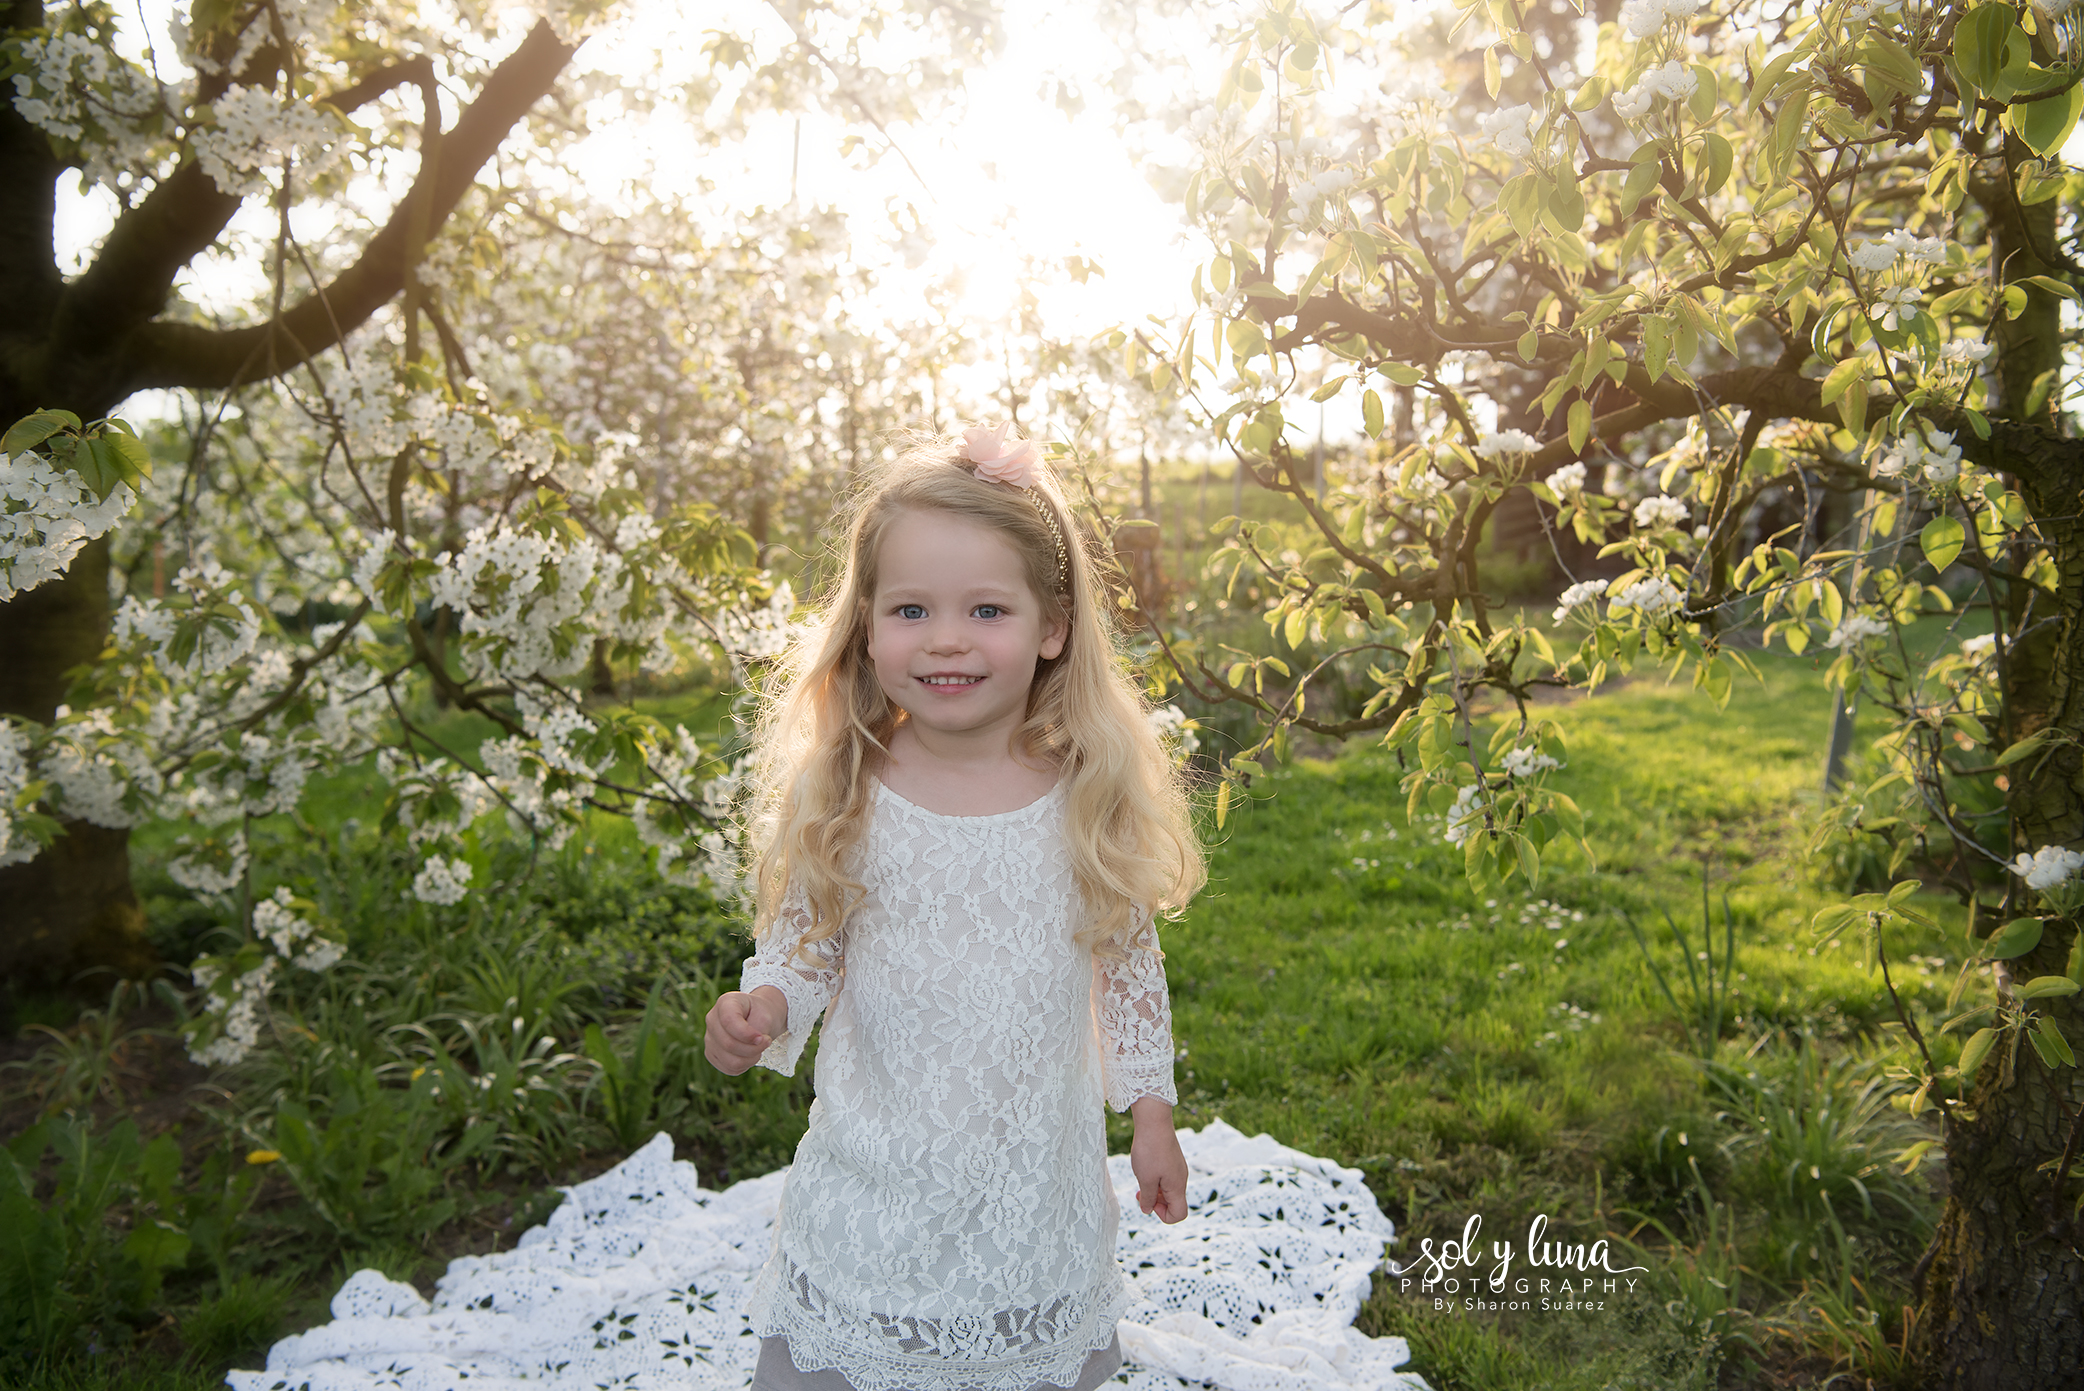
(1338, 986)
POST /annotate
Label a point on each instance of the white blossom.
(1652, 597)
(1505, 442)
(1659, 513)
(2049, 867)
(1979, 648)
(15, 777)
(1964, 351)
(1876, 254)
(442, 881)
(1568, 480)
(251, 129)
(1465, 817)
(1511, 128)
(214, 867)
(1642, 18)
(1856, 629)
(1427, 486)
(1896, 304)
(1174, 729)
(46, 515)
(1526, 762)
(1583, 592)
(1670, 81)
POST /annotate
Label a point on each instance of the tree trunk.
(2004, 1282)
(71, 908)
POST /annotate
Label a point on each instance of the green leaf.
(1580, 423)
(1942, 539)
(31, 430)
(1521, 199)
(1529, 344)
(1979, 44)
(1642, 177)
(2046, 124)
(2015, 938)
(1975, 1050)
(1222, 801)
(2025, 748)
(2051, 1045)
(1843, 376)
(1721, 159)
(1371, 413)
(1702, 102)
(2043, 987)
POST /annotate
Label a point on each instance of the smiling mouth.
(951, 682)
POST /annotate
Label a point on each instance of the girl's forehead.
(921, 546)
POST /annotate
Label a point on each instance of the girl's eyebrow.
(993, 593)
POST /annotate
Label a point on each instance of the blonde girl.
(965, 827)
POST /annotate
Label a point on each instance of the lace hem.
(807, 1000)
(1128, 1082)
(884, 1352)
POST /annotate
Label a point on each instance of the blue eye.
(988, 610)
(913, 611)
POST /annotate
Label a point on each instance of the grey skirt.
(777, 1371)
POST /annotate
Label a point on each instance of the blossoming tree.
(1692, 264)
(480, 435)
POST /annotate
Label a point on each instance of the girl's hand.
(741, 1026)
(1157, 1161)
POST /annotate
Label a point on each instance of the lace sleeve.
(808, 980)
(1135, 1018)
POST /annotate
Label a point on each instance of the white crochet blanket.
(638, 1282)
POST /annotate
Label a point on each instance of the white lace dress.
(949, 1222)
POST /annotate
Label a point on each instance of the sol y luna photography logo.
(1552, 1276)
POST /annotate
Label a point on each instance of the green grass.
(1338, 986)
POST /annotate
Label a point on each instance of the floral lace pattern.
(947, 1224)
(641, 1281)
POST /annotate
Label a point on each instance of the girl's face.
(954, 630)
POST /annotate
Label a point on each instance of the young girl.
(964, 828)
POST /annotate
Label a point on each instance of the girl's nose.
(947, 636)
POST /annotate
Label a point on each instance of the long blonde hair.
(826, 725)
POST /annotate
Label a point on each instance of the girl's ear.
(1054, 635)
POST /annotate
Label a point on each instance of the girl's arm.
(805, 981)
(1135, 1015)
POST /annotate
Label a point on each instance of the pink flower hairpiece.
(1017, 464)
(998, 459)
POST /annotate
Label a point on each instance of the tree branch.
(171, 354)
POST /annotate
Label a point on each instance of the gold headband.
(1056, 534)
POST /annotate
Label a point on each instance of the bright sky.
(1014, 176)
